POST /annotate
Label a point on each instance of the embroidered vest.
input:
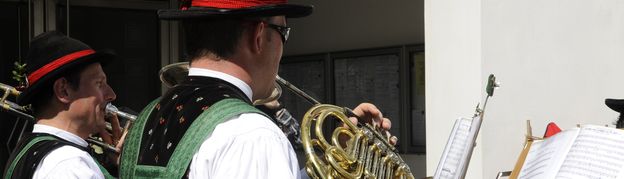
(168, 132)
(32, 149)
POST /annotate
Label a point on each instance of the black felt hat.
(206, 9)
(615, 104)
(618, 106)
(50, 55)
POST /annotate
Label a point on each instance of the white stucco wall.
(452, 73)
(557, 61)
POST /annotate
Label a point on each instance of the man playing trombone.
(206, 127)
(68, 93)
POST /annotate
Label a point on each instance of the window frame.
(405, 82)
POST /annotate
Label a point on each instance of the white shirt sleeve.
(249, 146)
(68, 163)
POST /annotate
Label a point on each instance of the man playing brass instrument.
(206, 127)
(68, 92)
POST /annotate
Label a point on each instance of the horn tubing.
(11, 107)
(296, 90)
(8, 106)
(9, 89)
(349, 112)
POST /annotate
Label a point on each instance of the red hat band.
(234, 4)
(37, 74)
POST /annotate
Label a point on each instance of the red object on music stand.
(551, 129)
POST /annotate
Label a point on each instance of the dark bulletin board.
(308, 74)
(391, 78)
(373, 79)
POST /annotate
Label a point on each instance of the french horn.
(368, 152)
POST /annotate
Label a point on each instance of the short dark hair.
(47, 93)
(214, 36)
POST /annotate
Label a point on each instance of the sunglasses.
(282, 30)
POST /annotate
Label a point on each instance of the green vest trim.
(130, 151)
(36, 140)
(181, 158)
(23, 151)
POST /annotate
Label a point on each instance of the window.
(305, 73)
(391, 78)
(417, 99)
(372, 77)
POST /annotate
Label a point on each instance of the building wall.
(557, 61)
(453, 73)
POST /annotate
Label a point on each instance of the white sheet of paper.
(597, 152)
(450, 163)
(546, 156)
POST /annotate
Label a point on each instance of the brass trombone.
(11, 107)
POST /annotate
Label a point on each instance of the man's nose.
(110, 94)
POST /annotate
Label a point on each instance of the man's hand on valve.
(370, 114)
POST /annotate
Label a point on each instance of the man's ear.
(257, 37)
(60, 89)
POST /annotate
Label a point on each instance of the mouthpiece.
(111, 109)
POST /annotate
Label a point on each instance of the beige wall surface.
(452, 73)
(557, 61)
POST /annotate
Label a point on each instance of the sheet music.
(450, 163)
(597, 152)
(545, 156)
